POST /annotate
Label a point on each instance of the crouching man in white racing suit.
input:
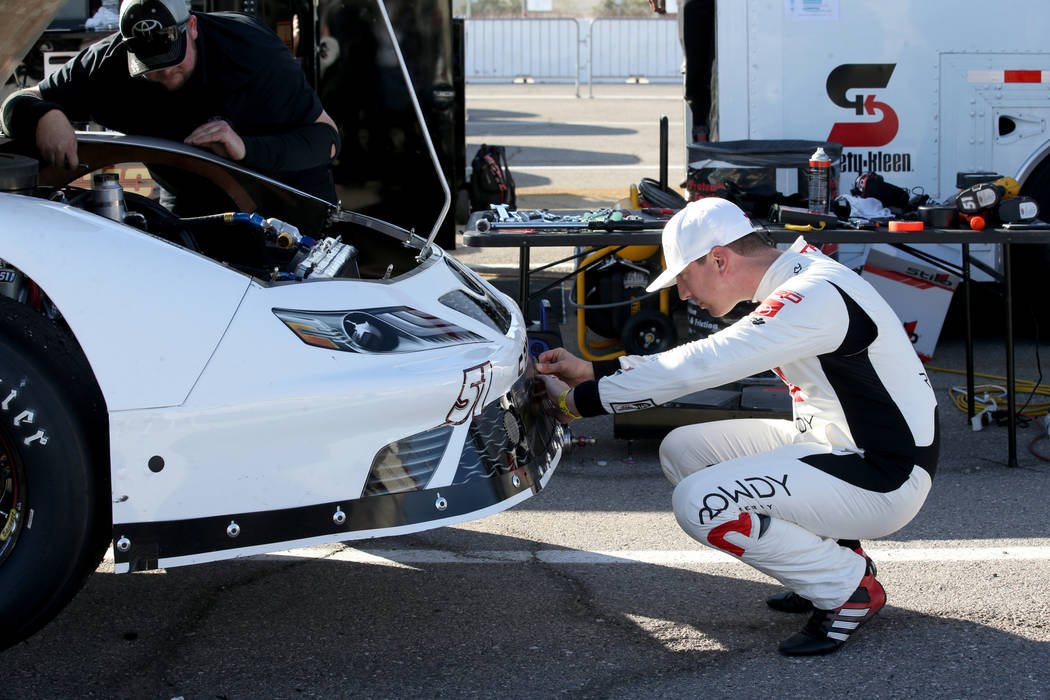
(790, 498)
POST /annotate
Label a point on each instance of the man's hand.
(659, 6)
(565, 366)
(218, 136)
(553, 388)
(56, 140)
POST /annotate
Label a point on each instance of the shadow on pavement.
(528, 180)
(583, 200)
(476, 114)
(477, 129)
(529, 156)
(269, 628)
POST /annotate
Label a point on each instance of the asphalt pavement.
(589, 589)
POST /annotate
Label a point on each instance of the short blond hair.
(750, 245)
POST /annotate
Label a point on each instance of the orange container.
(906, 226)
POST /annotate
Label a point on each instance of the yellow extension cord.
(993, 396)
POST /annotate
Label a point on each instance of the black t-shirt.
(244, 74)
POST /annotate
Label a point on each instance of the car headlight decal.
(394, 329)
(408, 464)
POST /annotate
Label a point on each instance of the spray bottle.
(819, 178)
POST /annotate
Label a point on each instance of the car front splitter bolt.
(233, 529)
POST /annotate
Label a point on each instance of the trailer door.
(994, 109)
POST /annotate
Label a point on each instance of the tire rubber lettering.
(25, 417)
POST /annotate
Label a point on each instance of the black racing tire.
(647, 333)
(54, 508)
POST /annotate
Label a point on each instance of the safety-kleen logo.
(862, 77)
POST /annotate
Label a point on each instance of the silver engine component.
(329, 259)
(18, 173)
(107, 197)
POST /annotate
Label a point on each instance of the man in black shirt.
(221, 81)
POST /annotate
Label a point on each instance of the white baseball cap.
(695, 230)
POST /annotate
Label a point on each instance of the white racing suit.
(855, 463)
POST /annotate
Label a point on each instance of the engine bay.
(322, 242)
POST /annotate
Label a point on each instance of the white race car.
(194, 390)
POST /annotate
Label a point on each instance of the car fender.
(125, 296)
(268, 404)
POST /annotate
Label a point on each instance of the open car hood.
(247, 190)
(24, 21)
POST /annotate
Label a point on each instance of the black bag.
(490, 180)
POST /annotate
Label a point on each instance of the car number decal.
(472, 395)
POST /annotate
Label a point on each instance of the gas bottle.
(819, 177)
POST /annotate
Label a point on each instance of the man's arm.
(805, 320)
(26, 115)
(574, 375)
(300, 148)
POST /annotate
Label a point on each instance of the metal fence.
(503, 50)
(572, 50)
(634, 48)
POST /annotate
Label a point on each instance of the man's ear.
(719, 259)
(191, 27)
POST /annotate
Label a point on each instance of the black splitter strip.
(152, 541)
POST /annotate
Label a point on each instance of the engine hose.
(650, 190)
(610, 305)
(253, 220)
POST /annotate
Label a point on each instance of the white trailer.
(916, 91)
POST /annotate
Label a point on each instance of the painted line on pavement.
(476, 99)
(483, 122)
(639, 166)
(673, 558)
(680, 558)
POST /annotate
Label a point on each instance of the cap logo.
(145, 27)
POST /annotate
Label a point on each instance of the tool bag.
(490, 179)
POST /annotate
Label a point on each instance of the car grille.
(510, 433)
(408, 464)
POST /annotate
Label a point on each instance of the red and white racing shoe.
(827, 630)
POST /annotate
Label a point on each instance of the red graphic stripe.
(768, 308)
(1023, 76)
(904, 279)
(717, 536)
(867, 133)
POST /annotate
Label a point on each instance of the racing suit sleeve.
(791, 324)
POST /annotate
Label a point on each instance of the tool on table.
(501, 218)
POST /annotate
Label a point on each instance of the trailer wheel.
(647, 333)
(53, 519)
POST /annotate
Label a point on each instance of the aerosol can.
(819, 179)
